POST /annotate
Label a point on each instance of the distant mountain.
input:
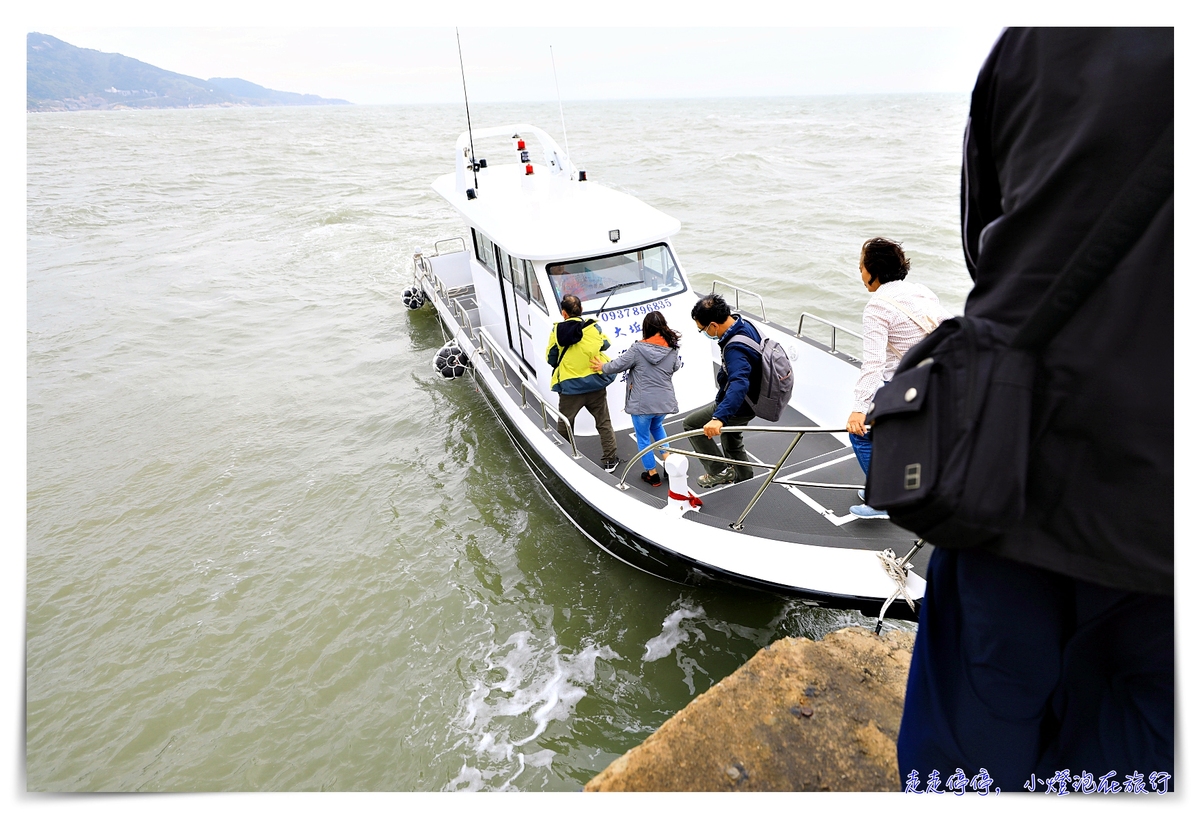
(257, 95)
(61, 77)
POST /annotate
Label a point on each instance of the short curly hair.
(884, 260)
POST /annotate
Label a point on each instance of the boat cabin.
(541, 231)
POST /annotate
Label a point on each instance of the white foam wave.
(540, 685)
(674, 633)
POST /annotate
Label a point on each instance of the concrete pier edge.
(799, 716)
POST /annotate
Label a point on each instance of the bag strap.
(911, 317)
(743, 338)
(757, 346)
(1112, 237)
(921, 325)
(748, 341)
(562, 350)
(554, 371)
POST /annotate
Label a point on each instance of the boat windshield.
(618, 281)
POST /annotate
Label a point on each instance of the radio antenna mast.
(470, 135)
(561, 118)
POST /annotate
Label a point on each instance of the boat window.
(619, 281)
(535, 289)
(518, 277)
(498, 255)
(504, 274)
(484, 251)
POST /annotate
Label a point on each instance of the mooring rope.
(897, 571)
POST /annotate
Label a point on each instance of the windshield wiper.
(613, 291)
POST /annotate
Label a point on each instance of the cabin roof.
(549, 217)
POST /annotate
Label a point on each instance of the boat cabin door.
(514, 292)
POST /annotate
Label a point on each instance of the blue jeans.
(862, 450)
(648, 428)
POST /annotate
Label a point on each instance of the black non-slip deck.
(814, 516)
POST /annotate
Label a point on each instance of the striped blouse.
(888, 333)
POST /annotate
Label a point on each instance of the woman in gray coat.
(649, 392)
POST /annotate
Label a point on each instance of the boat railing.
(492, 351)
(462, 245)
(441, 290)
(738, 292)
(423, 272)
(464, 316)
(834, 329)
(773, 469)
(423, 264)
(489, 347)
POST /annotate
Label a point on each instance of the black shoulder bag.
(951, 430)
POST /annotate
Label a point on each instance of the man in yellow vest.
(573, 344)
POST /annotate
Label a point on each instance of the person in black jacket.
(1052, 649)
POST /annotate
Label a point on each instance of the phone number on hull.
(640, 309)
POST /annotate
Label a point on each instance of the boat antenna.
(561, 118)
(474, 173)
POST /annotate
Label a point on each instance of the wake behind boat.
(538, 231)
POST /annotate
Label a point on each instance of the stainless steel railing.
(459, 310)
(738, 292)
(462, 245)
(422, 264)
(798, 431)
(834, 330)
(488, 346)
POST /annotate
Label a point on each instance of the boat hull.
(622, 542)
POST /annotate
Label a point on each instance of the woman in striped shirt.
(899, 314)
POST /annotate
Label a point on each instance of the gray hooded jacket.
(648, 387)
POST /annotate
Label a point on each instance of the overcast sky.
(412, 65)
(405, 52)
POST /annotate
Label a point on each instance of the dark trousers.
(731, 442)
(1024, 671)
(597, 404)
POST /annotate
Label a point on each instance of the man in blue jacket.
(740, 375)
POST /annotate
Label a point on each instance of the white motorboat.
(538, 230)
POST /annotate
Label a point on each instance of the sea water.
(269, 548)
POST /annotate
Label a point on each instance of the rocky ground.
(800, 716)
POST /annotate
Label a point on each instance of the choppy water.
(269, 549)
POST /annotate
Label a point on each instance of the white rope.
(897, 571)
